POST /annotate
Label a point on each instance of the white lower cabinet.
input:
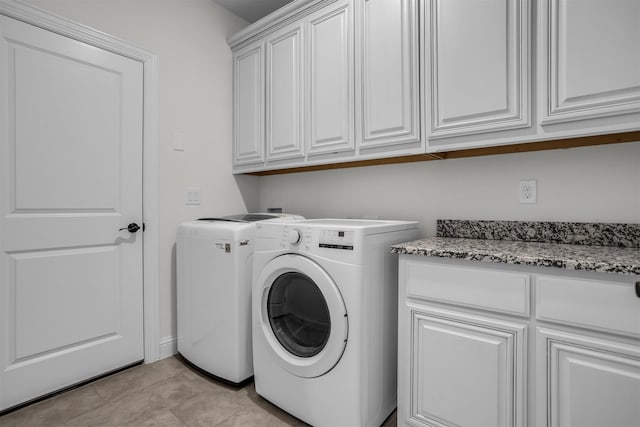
(588, 381)
(465, 370)
(475, 349)
(592, 369)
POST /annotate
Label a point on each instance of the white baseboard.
(168, 347)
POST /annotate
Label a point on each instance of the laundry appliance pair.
(314, 302)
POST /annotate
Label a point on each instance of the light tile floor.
(165, 393)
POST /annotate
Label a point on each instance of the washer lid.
(303, 316)
(248, 217)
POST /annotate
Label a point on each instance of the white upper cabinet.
(476, 65)
(248, 108)
(330, 106)
(326, 81)
(589, 59)
(388, 110)
(285, 100)
(299, 72)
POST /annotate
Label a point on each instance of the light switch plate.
(178, 141)
(192, 196)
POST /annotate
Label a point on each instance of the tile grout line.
(180, 419)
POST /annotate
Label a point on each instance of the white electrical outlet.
(528, 191)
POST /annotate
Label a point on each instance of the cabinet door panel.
(477, 66)
(389, 69)
(331, 74)
(590, 382)
(461, 361)
(589, 50)
(248, 87)
(284, 94)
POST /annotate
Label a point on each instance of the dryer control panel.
(336, 239)
(306, 238)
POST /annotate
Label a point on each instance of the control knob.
(294, 237)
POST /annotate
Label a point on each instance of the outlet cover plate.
(528, 193)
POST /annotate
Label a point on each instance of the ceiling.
(252, 10)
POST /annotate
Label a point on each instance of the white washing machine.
(213, 262)
(325, 318)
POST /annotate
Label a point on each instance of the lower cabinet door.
(586, 381)
(465, 370)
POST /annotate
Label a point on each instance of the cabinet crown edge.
(278, 18)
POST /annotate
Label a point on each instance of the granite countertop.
(612, 248)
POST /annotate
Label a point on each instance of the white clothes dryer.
(214, 259)
(325, 318)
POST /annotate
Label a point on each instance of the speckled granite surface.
(616, 258)
(576, 233)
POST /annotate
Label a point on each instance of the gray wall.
(599, 184)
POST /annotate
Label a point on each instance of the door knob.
(131, 228)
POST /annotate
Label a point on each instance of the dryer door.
(302, 314)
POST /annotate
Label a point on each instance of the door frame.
(150, 147)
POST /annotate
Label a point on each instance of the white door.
(70, 178)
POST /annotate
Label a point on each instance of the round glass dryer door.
(303, 316)
(298, 314)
